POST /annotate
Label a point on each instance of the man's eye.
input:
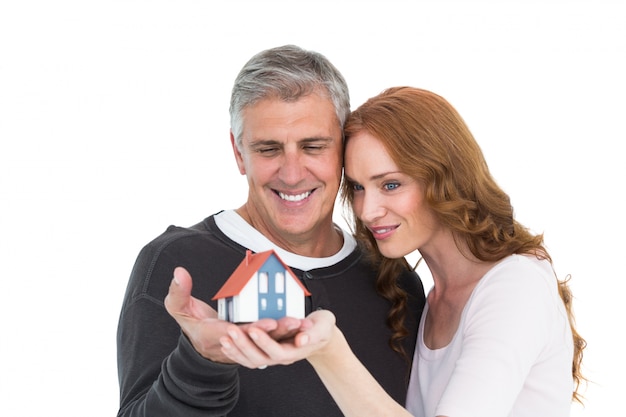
(391, 186)
(267, 151)
(314, 148)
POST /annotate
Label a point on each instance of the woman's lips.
(382, 232)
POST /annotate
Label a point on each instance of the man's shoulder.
(201, 249)
(175, 234)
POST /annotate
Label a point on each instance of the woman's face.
(389, 202)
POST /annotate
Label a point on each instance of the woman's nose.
(371, 207)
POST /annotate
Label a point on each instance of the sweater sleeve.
(160, 373)
(159, 380)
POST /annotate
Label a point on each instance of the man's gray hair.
(287, 73)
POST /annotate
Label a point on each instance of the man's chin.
(301, 224)
(294, 227)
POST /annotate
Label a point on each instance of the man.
(287, 109)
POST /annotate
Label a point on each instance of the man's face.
(291, 153)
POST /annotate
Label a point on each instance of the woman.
(497, 336)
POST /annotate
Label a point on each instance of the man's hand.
(200, 324)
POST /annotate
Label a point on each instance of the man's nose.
(292, 168)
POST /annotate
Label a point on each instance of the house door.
(272, 300)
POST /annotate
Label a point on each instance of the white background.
(114, 124)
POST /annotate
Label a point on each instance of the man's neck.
(320, 243)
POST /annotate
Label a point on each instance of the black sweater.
(161, 374)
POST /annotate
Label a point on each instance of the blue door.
(272, 289)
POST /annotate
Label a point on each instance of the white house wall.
(247, 302)
(295, 298)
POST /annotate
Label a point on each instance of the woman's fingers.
(238, 347)
(256, 345)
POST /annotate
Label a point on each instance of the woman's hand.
(254, 347)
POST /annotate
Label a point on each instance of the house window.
(280, 303)
(263, 282)
(263, 304)
(230, 309)
(279, 284)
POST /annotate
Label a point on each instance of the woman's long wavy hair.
(428, 140)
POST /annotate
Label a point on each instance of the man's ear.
(238, 156)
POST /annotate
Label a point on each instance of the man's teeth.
(298, 197)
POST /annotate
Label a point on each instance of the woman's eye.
(391, 186)
(357, 187)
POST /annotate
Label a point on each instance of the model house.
(262, 286)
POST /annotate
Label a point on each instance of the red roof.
(246, 269)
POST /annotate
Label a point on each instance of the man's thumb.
(179, 292)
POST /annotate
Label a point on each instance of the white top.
(239, 230)
(511, 355)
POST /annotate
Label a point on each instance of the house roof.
(246, 269)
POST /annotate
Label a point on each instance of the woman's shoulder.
(519, 275)
(517, 265)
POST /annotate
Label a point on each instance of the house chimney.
(248, 256)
